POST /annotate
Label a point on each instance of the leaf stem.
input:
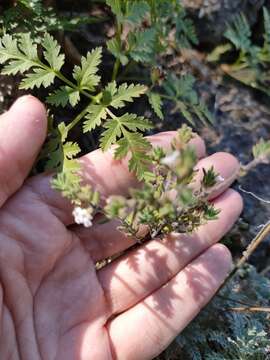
(94, 99)
(167, 97)
(115, 69)
(250, 249)
(111, 114)
(80, 116)
(117, 62)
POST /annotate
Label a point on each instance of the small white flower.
(171, 159)
(220, 179)
(83, 216)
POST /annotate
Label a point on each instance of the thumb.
(22, 131)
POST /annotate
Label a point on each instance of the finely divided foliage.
(142, 36)
(20, 56)
(252, 64)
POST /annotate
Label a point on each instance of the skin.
(53, 303)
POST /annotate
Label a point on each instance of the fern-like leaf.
(52, 52)
(142, 44)
(266, 17)
(96, 113)
(156, 104)
(182, 92)
(239, 33)
(37, 78)
(138, 147)
(63, 96)
(261, 150)
(21, 54)
(115, 47)
(122, 126)
(126, 93)
(86, 74)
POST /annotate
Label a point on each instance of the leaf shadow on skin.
(161, 265)
(115, 181)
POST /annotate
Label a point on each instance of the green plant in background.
(252, 65)
(145, 30)
(231, 327)
(32, 16)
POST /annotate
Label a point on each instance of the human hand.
(54, 304)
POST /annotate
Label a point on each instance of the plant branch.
(265, 231)
(250, 309)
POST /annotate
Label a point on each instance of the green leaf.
(71, 149)
(52, 52)
(182, 92)
(266, 17)
(133, 12)
(58, 154)
(156, 103)
(63, 131)
(8, 49)
(138, 147)
(17, 66)
(37, 78)
(142, 45)
(126, 93)
(218, 51)
(109, 136)
(114, 46)
(261, 150)
(63, 95)
(132, 122)
(186, 34)
(137, 11)
(96, 113)
(116, 8)
(239, 33)
(28, 47)
(21, 54)
(122, 126)
(108, 93)
(86, 74)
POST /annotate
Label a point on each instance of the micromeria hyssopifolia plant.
(164, 203)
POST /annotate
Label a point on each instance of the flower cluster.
(83, 216)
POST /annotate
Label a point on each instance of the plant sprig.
(21, 56)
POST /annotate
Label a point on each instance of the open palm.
(54, 304)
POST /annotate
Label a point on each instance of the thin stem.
(63, 78)
(250, 249)
(254, 195)
(246, 168)
(115, 69)
(167, 97)
(126, 69)
(111, 114)
(80, 116)
(117, 62)
(250, 309)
